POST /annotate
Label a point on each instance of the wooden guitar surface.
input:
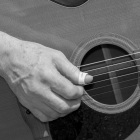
(48, 23)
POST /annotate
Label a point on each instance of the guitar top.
(104, 36)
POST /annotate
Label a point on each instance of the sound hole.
(115, 74)
(70, 3)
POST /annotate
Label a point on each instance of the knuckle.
(64, 109)
(75, 107)
(74, 92)
(43, 119)
(40, 72)
(67, 109)
(43, 73)
(59, 54)
(62, 115)
(54, 115)
(74, 69)
(56, 83)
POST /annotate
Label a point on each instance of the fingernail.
(88, 79)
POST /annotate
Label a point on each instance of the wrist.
(7, 48)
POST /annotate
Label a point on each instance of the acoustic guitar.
(106, 38)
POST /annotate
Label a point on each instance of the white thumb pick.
(81, 79)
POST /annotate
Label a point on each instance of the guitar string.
(113, 83)
(108, 59)
(110, 91)
(108, 66)
(110, 85)
(111, 71)
(111, 78)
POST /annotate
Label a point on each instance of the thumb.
(67, 69)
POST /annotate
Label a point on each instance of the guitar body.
(97, 30)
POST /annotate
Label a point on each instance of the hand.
(43, 80)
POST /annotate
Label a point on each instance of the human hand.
(43, 80)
